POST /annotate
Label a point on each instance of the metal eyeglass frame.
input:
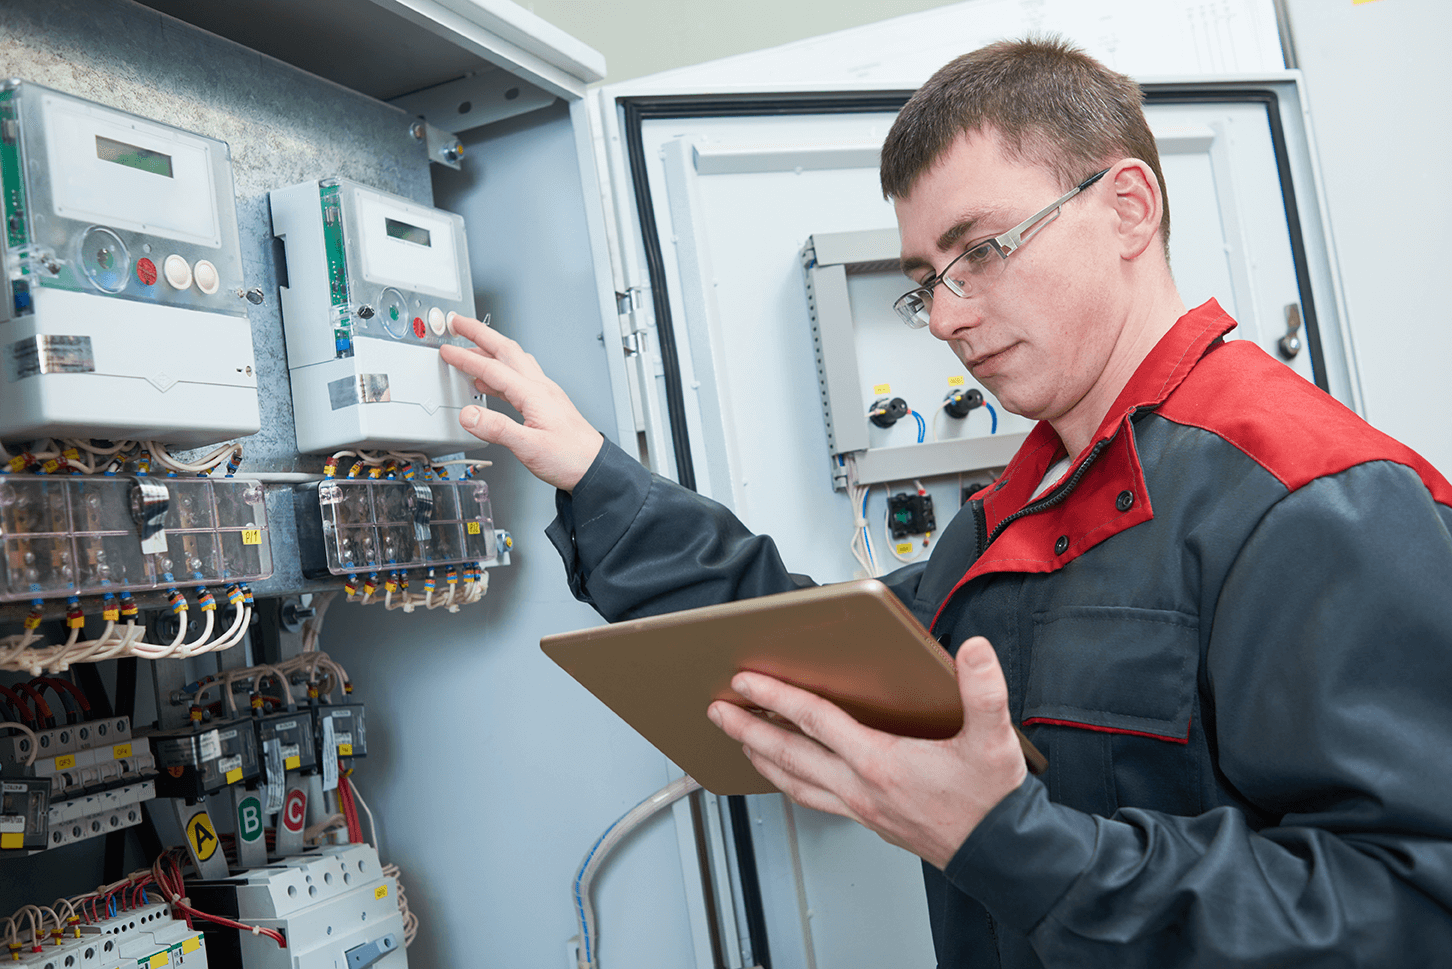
(914, 306)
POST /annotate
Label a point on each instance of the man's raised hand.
(554, 442)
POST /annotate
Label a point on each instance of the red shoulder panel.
(1284, 423)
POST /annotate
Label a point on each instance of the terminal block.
(90, 535)
(96, 775)
(194, 763)
(347, 526)
(334, 905)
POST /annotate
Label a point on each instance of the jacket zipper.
(980, 526)
(1049, 500)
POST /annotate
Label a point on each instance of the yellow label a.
(345, 750)
(12, 839)
(292, 763)
(191, 945)
(474, 528)
(120, 751)
(251, 536)
(380, 892)
(903, 547)
(66, 762)
(160, 959)
(882, 390)
(234, 775)
(957, 380)
(202, 835)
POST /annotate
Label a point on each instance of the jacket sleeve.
(1329, 667)
(636, 544)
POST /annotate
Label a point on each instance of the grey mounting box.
(828, 259)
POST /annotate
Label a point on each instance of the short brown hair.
(1052, 104)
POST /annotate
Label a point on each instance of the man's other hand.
(554, 442)
(923, 795)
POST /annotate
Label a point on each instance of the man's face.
(1040, 334)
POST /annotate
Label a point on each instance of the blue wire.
(923, 426)
(993, 414)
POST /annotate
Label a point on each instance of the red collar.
(1111, 496)
(1155, 379)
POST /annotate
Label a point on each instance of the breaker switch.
(362, 956)
(910, 514)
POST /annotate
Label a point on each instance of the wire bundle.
(316, 672)
(162, 882)
(28, 652)
(75, 456)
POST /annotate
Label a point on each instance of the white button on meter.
(177, 271)
(436, 321)
(207, 279)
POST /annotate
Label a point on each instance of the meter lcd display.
(141, 159)
(408, 233)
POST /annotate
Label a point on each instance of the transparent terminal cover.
(24, 812)
(87, 535)
(373, 525)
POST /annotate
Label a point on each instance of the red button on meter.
(146, 271)
(418, 327)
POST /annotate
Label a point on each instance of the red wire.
(72, 689)
(175, 888)
(350, 809)
(18, 702)
(41, 707)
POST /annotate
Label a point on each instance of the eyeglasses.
(974, 270)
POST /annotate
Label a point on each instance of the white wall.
(1377, 75)
(640, 37)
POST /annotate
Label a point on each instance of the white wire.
(597, 854)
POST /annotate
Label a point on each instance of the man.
(1212, 596)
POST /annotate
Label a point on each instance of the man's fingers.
(800, 767)
(494, 344)
(819, 719)
(491, 376)
(492, 427)
(987, 726)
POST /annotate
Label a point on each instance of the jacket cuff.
(590, 520)
(1023, 856)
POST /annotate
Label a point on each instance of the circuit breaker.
(123, 314)
(334, 905)
(371, 281)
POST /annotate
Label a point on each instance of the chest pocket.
(1115, 670)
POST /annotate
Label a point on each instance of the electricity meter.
(372, 279)
(123, 313)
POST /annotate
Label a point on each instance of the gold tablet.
(854, 643)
